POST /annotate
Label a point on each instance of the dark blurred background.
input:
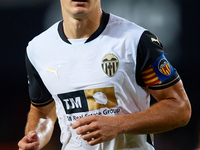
(175, 22)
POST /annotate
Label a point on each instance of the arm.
(39, 127)
(172, 110)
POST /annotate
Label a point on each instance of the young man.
(95, 72)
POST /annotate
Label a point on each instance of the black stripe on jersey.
(42, 104)
(149, 140)
(61, 33)
(38, 93)
(171, 81)
(148, 51)
(103, 24)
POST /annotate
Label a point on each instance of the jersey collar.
(102, 26)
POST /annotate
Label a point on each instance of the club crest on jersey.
(163, 67)
(110, 64)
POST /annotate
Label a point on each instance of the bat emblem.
(110, 64)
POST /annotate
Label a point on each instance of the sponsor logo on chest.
(88, 100)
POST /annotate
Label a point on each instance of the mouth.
(79, 0)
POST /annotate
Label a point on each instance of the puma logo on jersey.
(54, 71)
(155, 40)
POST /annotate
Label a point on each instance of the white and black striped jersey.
(107, 75)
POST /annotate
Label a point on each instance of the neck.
(82, 27)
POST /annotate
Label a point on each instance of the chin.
(80, 11)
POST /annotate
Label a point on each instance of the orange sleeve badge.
(149, 77)
(158, 72)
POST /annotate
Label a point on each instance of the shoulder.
(43, 42)
(125, 24)
(124, 29)
(46, 35)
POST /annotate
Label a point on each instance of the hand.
(29, 142)
(97, 129)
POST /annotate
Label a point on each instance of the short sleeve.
(38, 93)
(153, 70)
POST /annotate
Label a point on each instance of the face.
(79, 8)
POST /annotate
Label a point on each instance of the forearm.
(163, 116)
(42, 124)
